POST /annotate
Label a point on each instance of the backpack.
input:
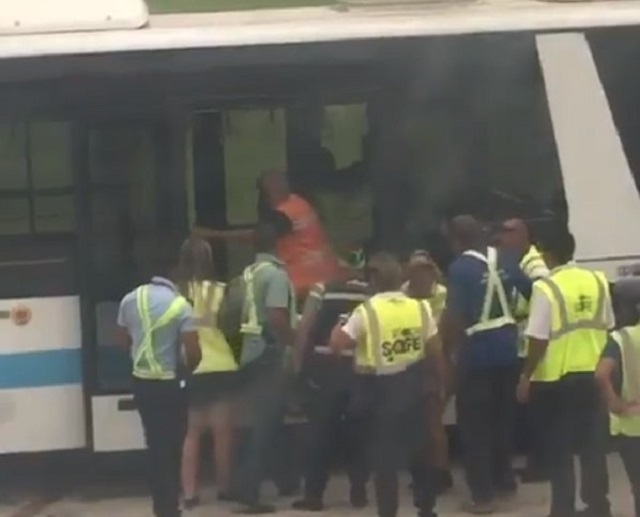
(233, 311)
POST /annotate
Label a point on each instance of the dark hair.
(385, 271)
(265, 237)
(467, 230)
(196, 260)
(561, 244)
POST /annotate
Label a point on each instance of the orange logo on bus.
(21, 315)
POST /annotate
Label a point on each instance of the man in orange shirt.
(302, 244)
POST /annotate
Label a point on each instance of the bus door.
(133, 194)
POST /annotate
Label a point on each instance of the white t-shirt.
(355, 327)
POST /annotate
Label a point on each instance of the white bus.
(113, 135)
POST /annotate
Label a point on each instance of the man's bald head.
(274, 185)
(465, 232)
(514, 235)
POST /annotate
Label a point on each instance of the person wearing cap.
(479, 329)
(327, 382)
(570, 315)
(394, 338)
(514, 236)
(618, 375)
(302, 244)
(425, 283)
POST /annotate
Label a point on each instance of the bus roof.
(324, 24)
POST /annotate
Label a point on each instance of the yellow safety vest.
(393, 339)
(437, 300)
(494, 288)
(628, 340)
(531, 265)
(145, 364)
(216, 352)
(578, 299)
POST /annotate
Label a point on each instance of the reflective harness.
(494, 287)
(145, 363)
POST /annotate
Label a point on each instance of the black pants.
(486, 405)
(163, 411)
(327, 394)
(629, 448)
(399, 439)
(575, 422)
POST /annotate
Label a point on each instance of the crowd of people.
(377, 346)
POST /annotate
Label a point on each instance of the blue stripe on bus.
(40, 369)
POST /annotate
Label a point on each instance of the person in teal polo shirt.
(155, 323)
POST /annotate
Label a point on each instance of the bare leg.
(190, 457)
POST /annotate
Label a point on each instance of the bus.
(119, 126)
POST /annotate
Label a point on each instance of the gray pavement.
(532, 500)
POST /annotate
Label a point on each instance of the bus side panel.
(41, 396)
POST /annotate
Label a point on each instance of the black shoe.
(191, 503)
(255, 509)
(358, 497)
(308, 505)
(227, 497)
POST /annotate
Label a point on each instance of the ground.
(114, 501)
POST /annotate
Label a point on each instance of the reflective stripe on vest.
(578, 333)
(145, 364)
(628, 340)
(596, 322)
(494, 287)
(377, 360)
(250, 324)
(217, 355)
(533, 261)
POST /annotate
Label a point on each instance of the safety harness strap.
(145, 364)
(494, 287)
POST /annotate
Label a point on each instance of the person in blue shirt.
(480, 333)
(155, 323)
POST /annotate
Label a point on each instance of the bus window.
(468, 131)
(14, 197)
(253, 141)
(123, 215)
(343, 130)
(50, 144)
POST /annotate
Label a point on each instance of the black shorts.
(207, 388)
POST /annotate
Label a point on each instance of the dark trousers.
(163, 410)
(575, 421)
(267, 393)
(485, 407)
(327, 397)
(529, 435)
(629, 448)
(399, 439)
